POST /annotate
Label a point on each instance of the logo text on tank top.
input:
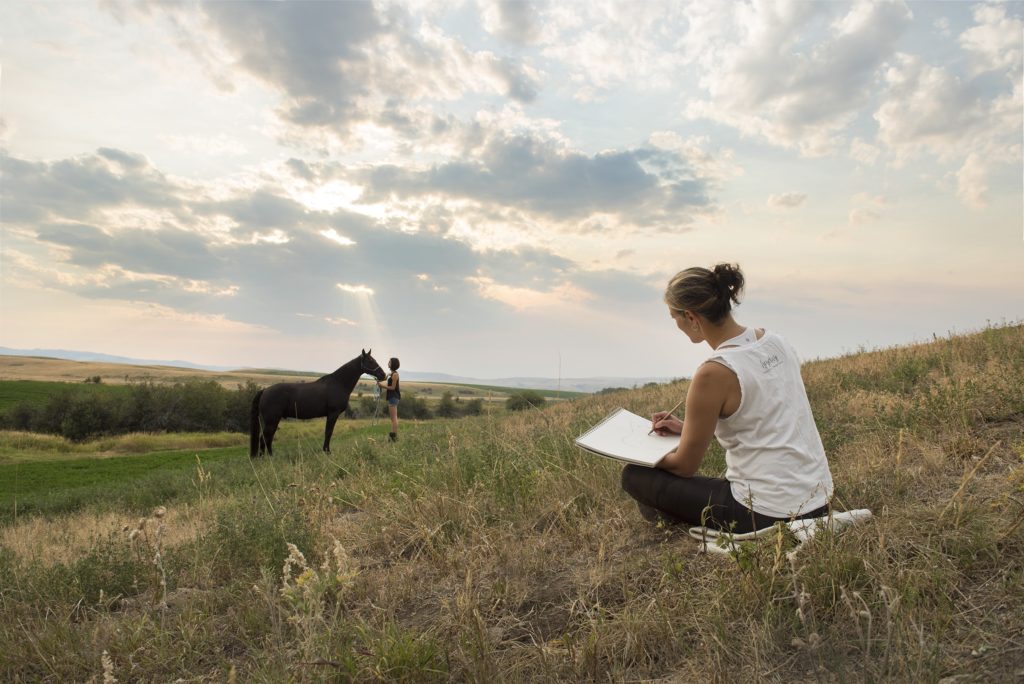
(771, 362)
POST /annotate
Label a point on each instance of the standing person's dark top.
(395, 393)
(393, 396)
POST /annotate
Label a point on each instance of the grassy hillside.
(490, 549)
(47, 369)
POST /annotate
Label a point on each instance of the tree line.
(201, 406)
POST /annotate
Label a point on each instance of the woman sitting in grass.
(750, 396)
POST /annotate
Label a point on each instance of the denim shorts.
(393, 401)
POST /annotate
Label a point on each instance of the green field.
(37, 393)
(137, 481)
(49, 474)
(490, 549)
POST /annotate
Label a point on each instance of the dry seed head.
(108, 668)
(294, 559)
(159, 512)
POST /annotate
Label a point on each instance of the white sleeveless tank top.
(775, 461)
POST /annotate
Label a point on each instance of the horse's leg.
(332, 418)
(261, 435)
(268, 435)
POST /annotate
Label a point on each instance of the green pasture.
(44, 474)
(37, 393)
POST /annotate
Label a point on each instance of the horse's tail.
(254, 426)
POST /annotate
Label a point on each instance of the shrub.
(191, 406)
(524, 399)
(446, 408)
(473, 407)
(412, 406)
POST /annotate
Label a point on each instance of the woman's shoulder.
(714, 369)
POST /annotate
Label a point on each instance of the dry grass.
(17, 446)
(62, 370)
(490, 549)
(49, 541)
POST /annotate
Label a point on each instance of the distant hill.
(587, 385)
(104, 358)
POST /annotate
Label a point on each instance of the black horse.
(327, 396)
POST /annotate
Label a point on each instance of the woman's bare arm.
(704, 401)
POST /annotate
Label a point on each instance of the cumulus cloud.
(604, 46)
(513, 20)
(926, 107)
(866, 208)
(770, 71)
(526, 298)
(787, 200)
(929, 109)
(971, 185)
(698, 152)
(643, 184)
(995, 40)
(339, 64)
(310, 269)
(79, 187)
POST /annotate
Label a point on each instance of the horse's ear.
(364, 352)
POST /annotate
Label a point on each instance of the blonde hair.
(709, 293)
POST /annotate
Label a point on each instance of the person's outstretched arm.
(704, 401)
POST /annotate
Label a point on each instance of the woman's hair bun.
(730, 281)
(704, 291)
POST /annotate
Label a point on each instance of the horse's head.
(369, 365)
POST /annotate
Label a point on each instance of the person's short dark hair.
(393, 364)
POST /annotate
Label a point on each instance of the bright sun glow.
(333, 235)
(355, 289)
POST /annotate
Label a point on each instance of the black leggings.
(696, 500)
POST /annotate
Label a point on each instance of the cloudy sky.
(493, 188)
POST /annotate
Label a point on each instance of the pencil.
(670, 412)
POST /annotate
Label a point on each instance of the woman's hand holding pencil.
(664, 423)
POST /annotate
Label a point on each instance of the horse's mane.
(337, 374)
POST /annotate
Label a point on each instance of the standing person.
(393, 396)
(750, 396)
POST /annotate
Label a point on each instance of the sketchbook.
(623, 435)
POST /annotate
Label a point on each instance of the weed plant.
(490, 549)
